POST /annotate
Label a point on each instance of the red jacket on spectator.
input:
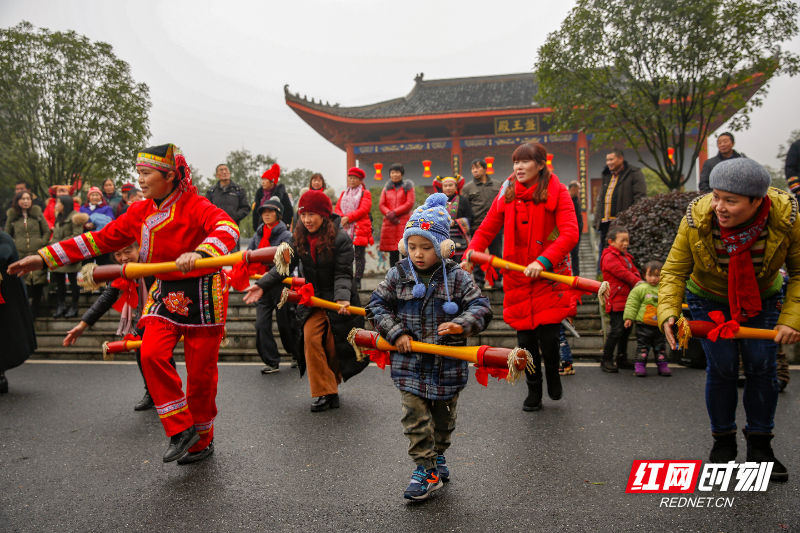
(529, 236)
(360, 218)
(621, 275)
(397, 198)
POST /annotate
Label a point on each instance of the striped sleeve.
(115, 235)
(223, 233)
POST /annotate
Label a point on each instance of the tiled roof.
(456, 95)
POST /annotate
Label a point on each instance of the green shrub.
(653, 224)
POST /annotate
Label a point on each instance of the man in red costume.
(174, 223)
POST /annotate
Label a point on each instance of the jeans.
(617, 339)
(566, 352)
(760, 395)
(495, 248)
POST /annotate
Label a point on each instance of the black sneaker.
(423, 482)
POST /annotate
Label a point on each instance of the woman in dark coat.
(270, 188)
(324, 253)
(16, 318)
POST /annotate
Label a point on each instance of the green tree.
(68, 107)
(662, 73)
(294, 180)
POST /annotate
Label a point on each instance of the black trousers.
(542, 343)
(603, 242)
(617, 338)
(574, 255)
(650, 337)
(394, 257)
(287, 327)
(495, 248)
(61, 291)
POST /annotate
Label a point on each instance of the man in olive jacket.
(229, 196)
(623, 185)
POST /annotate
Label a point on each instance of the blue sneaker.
(441, 467)
(423, 482)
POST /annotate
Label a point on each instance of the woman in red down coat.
(397, 201)
(354, 206)
(540, 230)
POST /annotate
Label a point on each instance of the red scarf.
(312, 245)
(239, 276)
(743, 292)
(264, 242)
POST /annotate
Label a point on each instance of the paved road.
(74, 456)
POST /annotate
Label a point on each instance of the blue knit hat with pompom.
(432, 221)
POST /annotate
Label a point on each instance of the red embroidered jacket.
(183, 222)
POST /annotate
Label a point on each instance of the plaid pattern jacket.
(394, 312)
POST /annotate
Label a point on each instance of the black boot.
(323, 403)
(623, 363)
(73, 312)
(607, 365)
(145, 403)
(534, 400)
(759, 450)
(193, 457)
(3, 383)
(180, 443)
(553, 378)
(60, 310)
(724, 449)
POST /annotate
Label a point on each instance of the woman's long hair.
(17, 198)
(317, 175)
(69, 206)
(531, 152)
(325, 243)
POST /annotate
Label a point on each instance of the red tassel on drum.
(380, 357)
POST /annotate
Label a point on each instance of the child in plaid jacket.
(429, 298)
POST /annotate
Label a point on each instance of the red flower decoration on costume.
(177, 303)
(723, 329)
(425, 225)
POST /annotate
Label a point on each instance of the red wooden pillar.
(582, 153)
(701, 159)
(455, 156)
(351, 157)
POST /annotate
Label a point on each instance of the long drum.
(514, 360)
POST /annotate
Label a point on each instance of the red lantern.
(671, 154)
(489, 161)
(427, 165)
(378, 174)
(550, 162)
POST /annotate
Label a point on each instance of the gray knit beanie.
(741, 176)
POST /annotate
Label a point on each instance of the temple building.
(442, 125)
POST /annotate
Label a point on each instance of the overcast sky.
(216, 70)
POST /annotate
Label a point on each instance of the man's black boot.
(724, 449)
(759, 450)
(180, 443)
